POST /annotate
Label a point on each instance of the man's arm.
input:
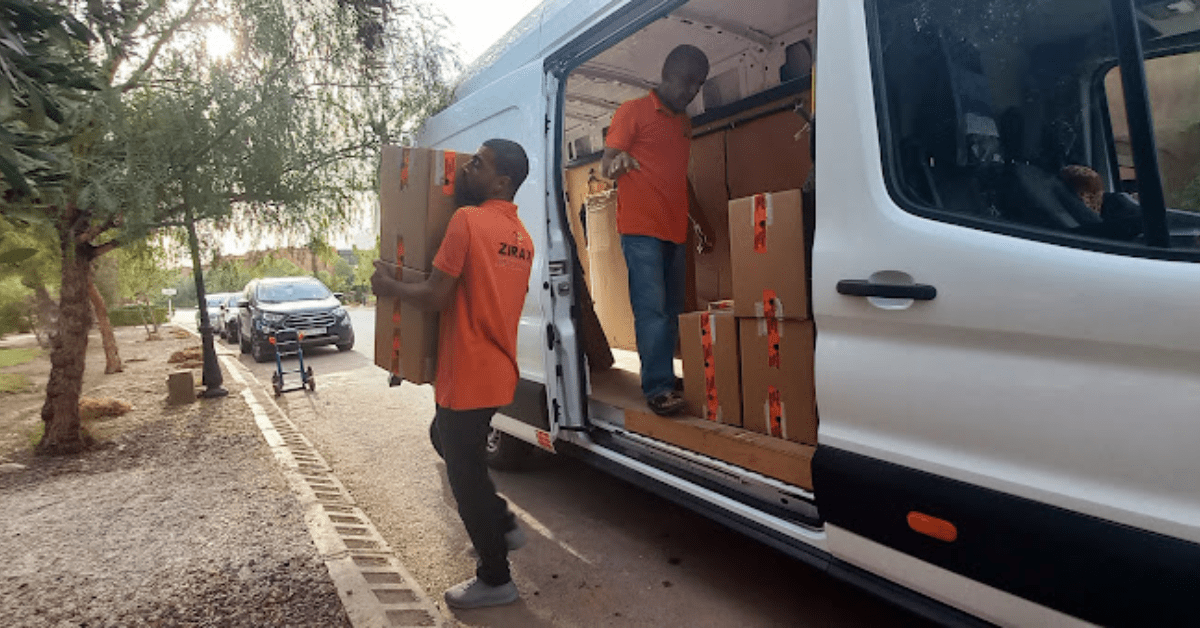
(617, 162)
(432, 295)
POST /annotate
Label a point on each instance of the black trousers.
(460, 438)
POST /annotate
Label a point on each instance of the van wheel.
(507, 453)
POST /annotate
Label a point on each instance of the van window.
(995, 114)
(1174, 86)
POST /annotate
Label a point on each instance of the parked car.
(229, 316)
(214, 302)
(301, 303)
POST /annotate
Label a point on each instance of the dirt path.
(179, 519)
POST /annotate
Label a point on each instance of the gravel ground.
(180, 518)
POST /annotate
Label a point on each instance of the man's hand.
(617, 162)
(383, 280)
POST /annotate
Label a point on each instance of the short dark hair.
(511, 161)
(683, 56)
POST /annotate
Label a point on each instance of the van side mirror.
(340, 296)
(243, 303)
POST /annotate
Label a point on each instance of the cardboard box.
(785, 461)
(711, 367)
(609, 278)
(767, 245)
(778, 391)
(706, 170)
(416, 202)
(406, 338)
(769, 154)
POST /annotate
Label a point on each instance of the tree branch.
(105, 248)
(95, 230)
(137, 75)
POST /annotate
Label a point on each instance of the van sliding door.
(1007, 343)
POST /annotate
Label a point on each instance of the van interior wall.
(762, 149)
(747, 139)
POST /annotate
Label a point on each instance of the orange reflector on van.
(939, 529)
(271, 340)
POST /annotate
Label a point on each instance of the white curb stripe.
(375, 588)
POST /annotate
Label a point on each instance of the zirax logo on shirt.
(512, 250)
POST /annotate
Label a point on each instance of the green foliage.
(130, 315)
(44, 72)
(15, 306)
(13, 357)
(232, 275)
(142, 272)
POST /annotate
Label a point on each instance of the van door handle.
(865, 288)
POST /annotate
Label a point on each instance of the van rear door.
(1006, 369)
(545, 340)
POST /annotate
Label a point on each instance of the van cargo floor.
(620, 387)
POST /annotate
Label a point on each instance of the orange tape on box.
(775, 410)
(769, 299)
(448, 164)
(710, 368)
(760, 223)
(396, 351)
(399, 255)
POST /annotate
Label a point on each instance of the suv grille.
(309, 320)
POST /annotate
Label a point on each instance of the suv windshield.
(292, 291)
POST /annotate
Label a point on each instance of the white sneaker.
(475, 593)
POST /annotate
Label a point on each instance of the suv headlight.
(273, 318)
(339, 312)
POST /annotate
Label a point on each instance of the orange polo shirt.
(652, 200)
(488, 249)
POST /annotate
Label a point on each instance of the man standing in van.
(646, 152)
(479, 281)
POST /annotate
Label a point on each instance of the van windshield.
(1011, 111)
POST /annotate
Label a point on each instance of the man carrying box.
(479, 281)
(647, 150)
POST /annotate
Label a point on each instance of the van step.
(773, 457)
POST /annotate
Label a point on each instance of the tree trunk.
(46, 315)
(60, 413)
(112, 359)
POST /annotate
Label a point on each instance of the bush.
(132, 315)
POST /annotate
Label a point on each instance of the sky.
(477, 24)
(474, 26)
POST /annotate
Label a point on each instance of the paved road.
(601, 552)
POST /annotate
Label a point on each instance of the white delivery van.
(1002, 259)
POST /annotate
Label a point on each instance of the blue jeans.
(657, 274)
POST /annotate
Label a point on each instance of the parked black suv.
(300, 303)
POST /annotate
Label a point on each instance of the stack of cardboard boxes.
(753, 366)
(416, 202)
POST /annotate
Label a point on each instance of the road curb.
(376, 589)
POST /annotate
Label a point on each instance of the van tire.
(507, 453)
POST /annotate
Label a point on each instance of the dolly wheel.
(312, 381)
